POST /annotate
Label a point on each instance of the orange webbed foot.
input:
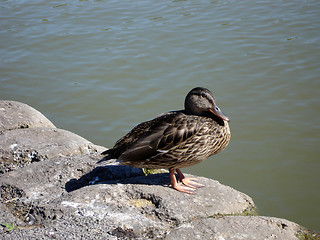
(192, 182)
(183, 188)
(186, 185)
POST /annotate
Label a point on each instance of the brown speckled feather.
(172, 140)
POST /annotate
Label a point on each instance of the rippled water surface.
(97, 68)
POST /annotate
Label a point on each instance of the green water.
(97, 68)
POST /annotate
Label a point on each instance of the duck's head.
(200, 101)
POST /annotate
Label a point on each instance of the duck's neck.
(208, 115)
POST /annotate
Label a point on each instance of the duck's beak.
(216, 111)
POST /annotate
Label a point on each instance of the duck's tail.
(109, 158)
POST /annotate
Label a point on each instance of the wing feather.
(159, 138)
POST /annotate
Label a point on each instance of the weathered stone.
(16, 115)
(237, 227)
(21, 147)
(125, 202)
(57, 176)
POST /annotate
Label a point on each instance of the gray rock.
(237, 227)
(16, 115)
(117, 201)
(21, 147)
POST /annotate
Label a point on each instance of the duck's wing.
(126, 141)
(163, 134)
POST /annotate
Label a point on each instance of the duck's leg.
(179, 186)
(190, 182)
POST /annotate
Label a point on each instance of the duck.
(176, 139)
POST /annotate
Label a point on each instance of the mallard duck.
(176, 139)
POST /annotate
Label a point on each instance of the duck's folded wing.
(159, 139)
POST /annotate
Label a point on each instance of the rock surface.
(20, 147)
(236, 227)
(16, 115)
(52, 188)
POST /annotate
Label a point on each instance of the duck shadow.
(115, 175)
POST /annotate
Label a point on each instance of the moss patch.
(148, 171)
(305, 234)
(9, 226)
(252, 211)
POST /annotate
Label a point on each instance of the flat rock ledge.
(52, 188)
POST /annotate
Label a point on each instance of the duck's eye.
(203, 95)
